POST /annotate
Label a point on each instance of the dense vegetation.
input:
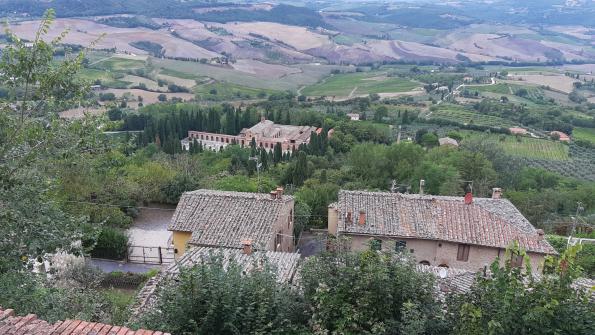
(129, 22)
(368, 293)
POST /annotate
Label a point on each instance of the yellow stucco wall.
(180, 240)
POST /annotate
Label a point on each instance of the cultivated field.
(87, 32)
(80, 112)
(464, 115)
(359, 83)
(526, 147)
(148, 97)
(299, 38)
(585, 134)
(226, 91)
(557, 82)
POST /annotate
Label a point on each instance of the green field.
(119, 64)
(183, 75)
(463, 115)
(585, 134)
(525, 146)
(219, 91)
(365, 82)
(507, 89)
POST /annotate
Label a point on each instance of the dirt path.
(101, 60)
(352, 93)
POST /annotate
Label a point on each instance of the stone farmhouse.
(30, 325)
(454, 232)
(266, 134)
(220, 219)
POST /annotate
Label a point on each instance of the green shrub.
(584, 258)
(111, 243)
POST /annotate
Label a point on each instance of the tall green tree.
(31, 137)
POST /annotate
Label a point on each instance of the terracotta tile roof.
(449, 280)
(284, 263)
(486, 221)
(10, 324)
(452, 280)
(224, 219)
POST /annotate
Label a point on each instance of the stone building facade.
(266, 134)
(454, 232)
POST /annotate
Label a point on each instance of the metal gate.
(150, 255)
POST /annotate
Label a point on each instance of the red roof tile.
(31, 325)
(488, 222)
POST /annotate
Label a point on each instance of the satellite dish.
(443, 273)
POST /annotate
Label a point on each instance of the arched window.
(424, 263)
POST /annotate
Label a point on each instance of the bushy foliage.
(111, 243)
(369, 293)
(511, 301)
(211, 298)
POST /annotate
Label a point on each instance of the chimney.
(280, 192)
(349, 217)
(362, 218)
(247, 247)
(468, 198)
(540, 234)
(496, 193)
(262, 118)
(422, 183)
(273, 195)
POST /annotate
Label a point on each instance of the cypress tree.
(277, 153)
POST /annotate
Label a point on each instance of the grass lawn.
(366, 83)
(525, 146)
(585, 134)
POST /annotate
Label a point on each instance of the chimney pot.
(362, 218)
(273, 195)
(496, 193)
(422, 183)
(280, 192)
(540, 234)
(469, 198)
(262, 118)
(247, 247)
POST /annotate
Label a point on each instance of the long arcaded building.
(266, 135)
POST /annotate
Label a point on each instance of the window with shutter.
(516, 260)
(463, 252)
